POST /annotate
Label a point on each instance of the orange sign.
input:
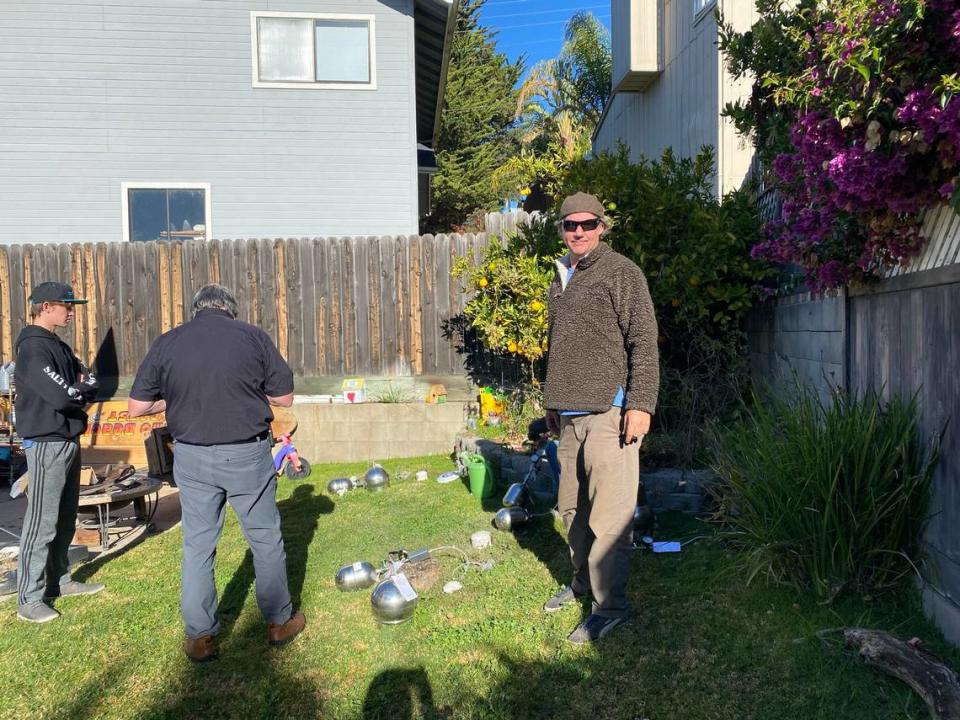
(110, 425)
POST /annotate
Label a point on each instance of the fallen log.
(937, 684)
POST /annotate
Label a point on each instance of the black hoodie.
(50, 395)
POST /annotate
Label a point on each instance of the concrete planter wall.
(375, 431)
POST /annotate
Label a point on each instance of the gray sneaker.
(595, 627)
(566, 596)
(72, 588)
(36, 612)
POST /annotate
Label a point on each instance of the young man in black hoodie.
(53, 388)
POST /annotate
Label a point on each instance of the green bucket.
(482, 483)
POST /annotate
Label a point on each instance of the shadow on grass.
(299, 515)
(401, 694)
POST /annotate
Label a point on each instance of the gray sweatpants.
(53, 490)
(599, 480)
(209, 477)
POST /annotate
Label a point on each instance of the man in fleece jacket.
(53, 387)
(601, 389)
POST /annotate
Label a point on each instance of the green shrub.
(827, 496)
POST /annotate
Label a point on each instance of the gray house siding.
(681, 107)
(94, 94)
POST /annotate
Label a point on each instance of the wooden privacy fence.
(334, 306)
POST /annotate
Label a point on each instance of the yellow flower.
(536, 306)
(611, 206)
(512, 346)
(525, 191)
(492, 266)
(483, 282)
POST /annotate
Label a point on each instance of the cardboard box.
(88, 476)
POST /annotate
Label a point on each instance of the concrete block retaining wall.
(375, 431)
(683, 490)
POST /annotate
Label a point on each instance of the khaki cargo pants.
(599, 480)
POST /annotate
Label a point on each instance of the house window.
(165, 211)
(300, 50)
(702, 8)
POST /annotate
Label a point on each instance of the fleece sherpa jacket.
(602, 336)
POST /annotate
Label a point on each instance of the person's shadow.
(401, 694)
(299, 515)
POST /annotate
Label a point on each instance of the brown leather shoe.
(201, 649)
(282, 634)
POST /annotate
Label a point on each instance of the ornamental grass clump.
(827, 496)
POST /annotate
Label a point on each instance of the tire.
(291, 472)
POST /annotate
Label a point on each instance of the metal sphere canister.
(356, 576)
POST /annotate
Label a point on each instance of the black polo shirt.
(215, 373)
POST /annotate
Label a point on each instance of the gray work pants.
(599, 479)
(209, 477)
(53, 490)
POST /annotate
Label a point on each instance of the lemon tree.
(508, 303)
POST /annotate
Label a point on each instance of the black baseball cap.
(54, 292)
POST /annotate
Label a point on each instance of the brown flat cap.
(582, 202)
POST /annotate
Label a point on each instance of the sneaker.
(36, 612)
(595, 627)
(566, 596)
(72, 588)
(282, 633)
(202, 649)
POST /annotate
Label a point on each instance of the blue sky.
(535, 27)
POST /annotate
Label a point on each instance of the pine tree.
(477, 123)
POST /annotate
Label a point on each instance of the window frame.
(702, 8)
(255, 15)
(126, 187)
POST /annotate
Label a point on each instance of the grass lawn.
(701, 644)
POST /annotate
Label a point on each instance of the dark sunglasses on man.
(571, 225)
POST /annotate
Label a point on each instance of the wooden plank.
(308, 307)
(213, 260)
(253, 283)
(75, 266)
(322, 290)
(137, 304)
(6, 311)
(268, 287)
(27, 288)
(416, 304)
(348, 314)
(374, 305)
(241, 288)
(428, 303)
(280, 298)
(360, 248)
(165, 301)
(402, 308)
(19, 308)
(132, 254)
(335, 306)
(146, 301)
(114, 298)
(291, 316)
(388, 291)
(90, 293)
(180, 306)
(228, 276)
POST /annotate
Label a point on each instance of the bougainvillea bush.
(855, 110)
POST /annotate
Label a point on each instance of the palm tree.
(559, 105)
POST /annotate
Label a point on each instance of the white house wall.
(681, 108)
(94, 94)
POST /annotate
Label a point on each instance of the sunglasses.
(571, 225)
